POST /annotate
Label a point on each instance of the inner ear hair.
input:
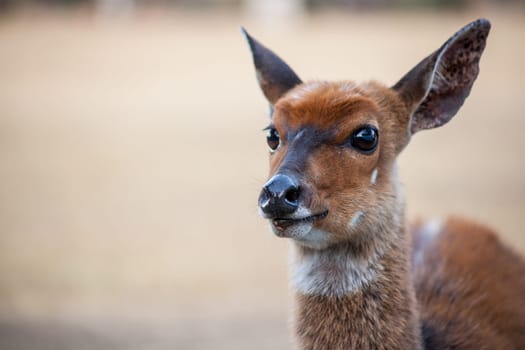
(436, 88)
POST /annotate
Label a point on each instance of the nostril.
(280, 196)
(264, 198)
(266, 192)
(292, 195)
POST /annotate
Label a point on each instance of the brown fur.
(462, 283)
(470, 289)
(356, 286)
(341, 180)
(381, 316)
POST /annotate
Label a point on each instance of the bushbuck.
(361, 279)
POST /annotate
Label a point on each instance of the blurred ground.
(131, 159)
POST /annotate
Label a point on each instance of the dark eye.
(273, 139)
(365, 139)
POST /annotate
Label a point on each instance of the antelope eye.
(273, 139)
(365, 139)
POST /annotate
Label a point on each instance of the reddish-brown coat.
(462, 289)
(336, 177)
(470, 289)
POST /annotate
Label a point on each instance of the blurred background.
(131, 157)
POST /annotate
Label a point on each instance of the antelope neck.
(350, 297)
(335, 271)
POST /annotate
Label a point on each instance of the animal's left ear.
(274, 75)
(435, 89)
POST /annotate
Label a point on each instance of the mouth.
(282, 224)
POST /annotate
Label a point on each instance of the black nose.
(280, 196)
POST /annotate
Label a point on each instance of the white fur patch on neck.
(329, 272)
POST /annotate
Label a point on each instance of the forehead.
(325, 105)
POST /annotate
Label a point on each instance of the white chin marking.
(315, 238)
(296, 231)
(304, 233)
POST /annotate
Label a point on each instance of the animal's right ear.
(275, 77)
(436, 88)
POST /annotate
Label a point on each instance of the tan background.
(132, 155)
